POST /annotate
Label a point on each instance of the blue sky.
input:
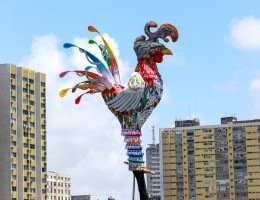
(205, 54)
(214, 72)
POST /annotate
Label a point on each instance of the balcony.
(14, 160)
(33, 163)
(13, 93)
(43, 143)
(13, 126)
(33, 174)
(13, 149)
(14, 183)
(251, 156)
(25, 140)
(32, 141)
(33, 152)
(13, 138)
(14, 194)
(14, 172)
(251, 136)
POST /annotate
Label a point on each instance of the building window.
(25, 112)
(25, 90)
(25, 101)
(25, 134)
(13, 109)
(31, 91)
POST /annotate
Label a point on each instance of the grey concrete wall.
(19, 100)
(5, 156)
(38, 135)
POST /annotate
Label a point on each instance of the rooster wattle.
(131, 104)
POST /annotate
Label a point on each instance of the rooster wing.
(129, 98)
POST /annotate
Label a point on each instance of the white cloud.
(255, 89)
(83, 140)
(245, 33)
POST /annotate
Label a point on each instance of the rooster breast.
(155, 93)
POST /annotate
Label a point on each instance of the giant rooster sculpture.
(131, 104)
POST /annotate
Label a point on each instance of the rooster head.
(151, 47)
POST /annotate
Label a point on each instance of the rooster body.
(134, 103)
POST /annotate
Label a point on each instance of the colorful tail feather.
(112, 59)
(105, 78)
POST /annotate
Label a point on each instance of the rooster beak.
(166, 51)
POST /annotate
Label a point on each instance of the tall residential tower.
(211, 162)
(153, 163)
(22, 134)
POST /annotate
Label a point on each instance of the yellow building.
(22, 134)
(211, 162)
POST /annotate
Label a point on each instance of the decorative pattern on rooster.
(131, 104)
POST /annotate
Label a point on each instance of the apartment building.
(23, 133)
(58, 186)
(153, 163)
(211, 162)
(87, 197)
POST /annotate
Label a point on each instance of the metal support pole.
(133, 194)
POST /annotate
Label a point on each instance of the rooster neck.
(148, 70)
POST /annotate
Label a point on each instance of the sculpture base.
(140, 169)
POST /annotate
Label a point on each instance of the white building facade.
(58, 186)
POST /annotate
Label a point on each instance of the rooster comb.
(143, 46)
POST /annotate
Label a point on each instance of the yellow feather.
(64, 92)
(83, 86)
(92, 29)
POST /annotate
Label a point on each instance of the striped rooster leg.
(133, 147)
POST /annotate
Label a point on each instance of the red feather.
(63, 74)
